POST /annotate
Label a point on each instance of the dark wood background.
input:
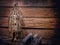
(38, 17)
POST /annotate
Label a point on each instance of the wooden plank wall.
(36, 19)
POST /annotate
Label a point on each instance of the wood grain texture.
(33, 22)
(39, 20)
(43, 33)
(38, 12)
(27, 2)
(31, 12)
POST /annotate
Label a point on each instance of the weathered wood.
(38, 12)
(31, 12)
(33, 22)
(33, 18)
(6, 33)
(27, 2)
(42, 33)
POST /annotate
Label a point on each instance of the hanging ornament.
(15, 19)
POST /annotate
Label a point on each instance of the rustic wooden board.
(38, 12)
(31, 12)
(33, 22)
(4, 33)
(43, 33)
(27, 3)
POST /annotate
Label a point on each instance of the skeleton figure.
(15, 23)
